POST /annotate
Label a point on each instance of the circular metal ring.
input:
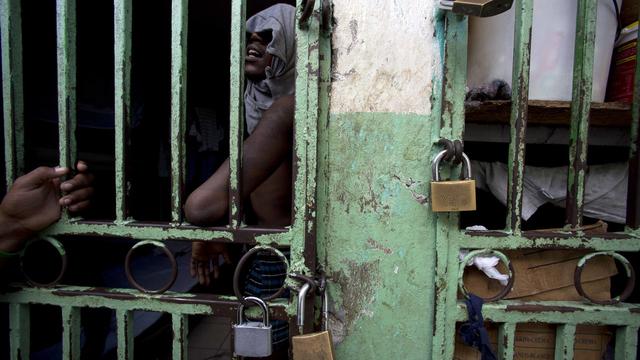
(242, 262)
(172, 259)
(631, 277)
(306, 13)
(490, 252)
(306, 279)
(63, 256)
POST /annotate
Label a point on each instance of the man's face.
(257, 58)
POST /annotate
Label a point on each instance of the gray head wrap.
(280, 76)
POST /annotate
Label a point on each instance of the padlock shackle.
(259, 302)
(302, 297)
(435, 166)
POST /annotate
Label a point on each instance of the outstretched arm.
(263, 152)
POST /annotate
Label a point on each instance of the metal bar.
(122, 56)
(451, 127)
(66, 38)
(626, 342)
(70, 333)
(236, 113)
(129, 300)
(12, 92)
(556, 312)
(506, 341)
(20, 330)
(124, 320)
(167, 232)
(580, 107)
(179, 9)
(565, 336)
(633, 196)
(180, 336)
(596, 243)
(519, 112)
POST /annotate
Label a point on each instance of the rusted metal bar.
(179, 9)
(600, 242)
(580, 107)
(122, 46)
(633, 195)
(71, 333)
(20, 330)
(66, 53)
(12, 92)
(506, 341)
(519, 112)
(565, 338)
(124, 319)
(236, 114)
(180, 336)
(626, 342)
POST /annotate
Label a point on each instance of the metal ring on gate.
(490, 252)
(172, 259)
(63, 257)
(631, 277)
(243, 261)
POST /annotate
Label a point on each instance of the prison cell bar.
(452, 126)
(633, 197)
(122, 105)
(519, 113)
(66, 55)
(12, 91)
(236, 113)
(179, 9)
(580, 108)
(71, 332)
(125, 335)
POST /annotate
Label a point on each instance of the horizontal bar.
(124, 319)
(122, 61)
(180, 326)
(506, 341)
(12, 88)
(556, 312)
(66, 54)
(166, 231)
(498, 240)
(565, 339)
(626, 342)
(179, 11)
(130, 300)
(20, 330)
(71, 333)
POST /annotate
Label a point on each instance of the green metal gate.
(299, 237)
(508, 313)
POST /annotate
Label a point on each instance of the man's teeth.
(253, 53)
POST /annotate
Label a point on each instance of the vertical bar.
(122, 49)
(633, 197)
(124, 320)
(179, 10)
(447, 234)
(565, 336)
(626, 342)
(20, 330)
(70, 333)
(580, 107)
(12, 94)
(506, 341)
(519, 112)
(66, 53)
(180, 333)
(236, 113)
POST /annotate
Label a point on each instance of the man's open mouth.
(253, 53)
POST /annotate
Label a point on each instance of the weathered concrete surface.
(383, 56)
(374, 232)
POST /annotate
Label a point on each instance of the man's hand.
(34, 201)
(204, 260)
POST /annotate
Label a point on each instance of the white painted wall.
(384, 56)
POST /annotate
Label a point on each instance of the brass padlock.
(315, 346)
(458, 195)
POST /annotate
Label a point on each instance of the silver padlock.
(252, 338)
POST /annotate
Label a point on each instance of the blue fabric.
(473, 332)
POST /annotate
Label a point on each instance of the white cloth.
(486, 264)
(604, 195)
